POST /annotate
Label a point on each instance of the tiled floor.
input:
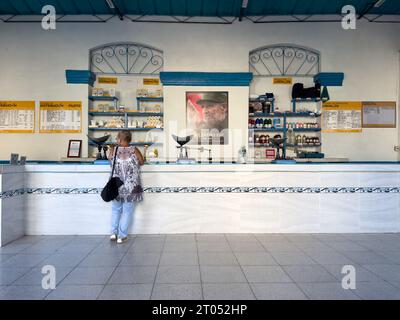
(203, 266)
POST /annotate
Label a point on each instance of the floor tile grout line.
(158, 267)
(241, 268)
(73, 268)
(198, 261)
(115, 267)
(295, 283)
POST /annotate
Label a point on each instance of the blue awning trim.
(80, 77)
(334, 79)
(206, 78)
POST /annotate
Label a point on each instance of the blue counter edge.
(206, 78)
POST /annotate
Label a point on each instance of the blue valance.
(206, 78)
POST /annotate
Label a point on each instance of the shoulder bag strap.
(115, 157)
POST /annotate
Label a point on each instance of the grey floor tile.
(346, 246)
(102, 260)
(75, 292)
(292, 258)
(255, 258)
(211, 246)
(141, 259)
(178, 274)
(77, 248)
(311, 273)
(270, 237)
(238, 237)
(328, 237)
(277, 291)
(362, 275)
(265, 274)
(10, 274)
(366, 257)
(210, 237)
(112, 247)
(310, 247)
(300, 237)
(377, 291)
(63, 259)
(179, 246)
(180, 238)
(330, 258)
(227, 291)
(218, 274)
(28, 240)
(386, 272)
(379, 245)
(280, 246)
(14, 248)
(88, 276)
(4, 257)
(177, 292)
(35, 276)
(146, 247)
(248, 246)
(327, 291)
(131, 275)
(392, 256)
(126, 292)
(43, 248)
(24, 260)
(23, 293)
(217, 259)
(159, 237)
(179, 259)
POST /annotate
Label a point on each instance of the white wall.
(33, 63)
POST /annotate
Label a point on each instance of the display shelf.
(102, 98)
(119, 129)
(309, 100)
(107, 114)
(155, 99)
(306, 129)
(267, 129)
(129, 114)
(284, 114)
(132, 143)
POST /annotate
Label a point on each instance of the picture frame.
(22, 160)
(74, 149)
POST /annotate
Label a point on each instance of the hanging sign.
(60, 117)
(341, 116)
(287, 80)
(108, 80)
(151, 81)
(17, 116)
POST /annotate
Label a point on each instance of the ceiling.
(199, 8)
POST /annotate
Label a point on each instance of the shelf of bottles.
(300, 126)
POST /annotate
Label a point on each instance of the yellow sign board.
(151, 81)
(341, 117)
(108, 80)
(287, 80)
(17, 116)
(60, 117)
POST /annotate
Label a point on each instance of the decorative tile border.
(20, 192)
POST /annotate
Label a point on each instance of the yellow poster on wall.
(17, 116)
(341, 116)
(151, 81)
(287, 80)
(60, 117)
(108, 80)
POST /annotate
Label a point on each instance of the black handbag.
(110, 191)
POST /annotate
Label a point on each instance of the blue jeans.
(121, 217)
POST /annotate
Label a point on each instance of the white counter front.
(316, 198)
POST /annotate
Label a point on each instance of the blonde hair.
(125, 135)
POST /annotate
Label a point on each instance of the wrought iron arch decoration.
(284, 60)
(126, 58)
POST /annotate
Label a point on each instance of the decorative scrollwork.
(126, 58)
(284, 60)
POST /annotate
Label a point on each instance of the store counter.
(328, 197)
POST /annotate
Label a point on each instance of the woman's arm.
(139, 156)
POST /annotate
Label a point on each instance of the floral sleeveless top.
(127, 168)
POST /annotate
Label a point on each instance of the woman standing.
(127, 168)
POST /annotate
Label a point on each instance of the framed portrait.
(74, 149)
(14, 158)
(207, 116)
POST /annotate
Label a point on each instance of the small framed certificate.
(74, 148)
(14, 159)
